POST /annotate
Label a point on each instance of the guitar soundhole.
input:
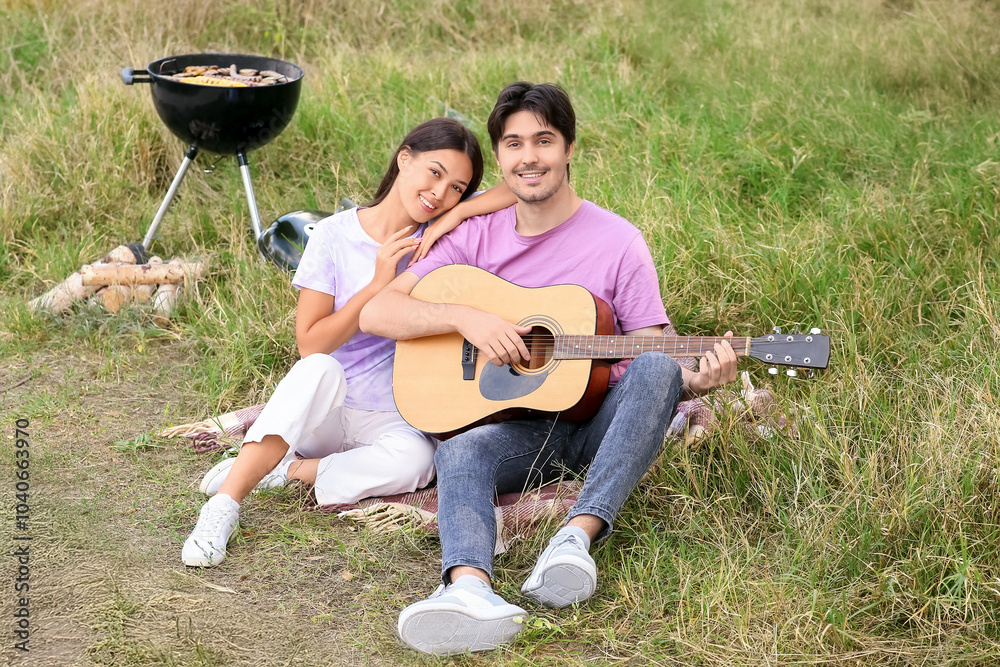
(540, 344)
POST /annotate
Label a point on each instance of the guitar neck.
(628, 347)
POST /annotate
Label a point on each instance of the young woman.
(331, 421)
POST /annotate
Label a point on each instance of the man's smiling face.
(533, 157)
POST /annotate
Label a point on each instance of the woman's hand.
(496, 198)
(390, 254)
(430, 237)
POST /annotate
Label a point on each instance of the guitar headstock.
(808, 350)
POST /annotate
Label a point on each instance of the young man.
(550, 236)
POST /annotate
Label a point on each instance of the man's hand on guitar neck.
(715, 369)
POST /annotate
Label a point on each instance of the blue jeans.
(619, 444)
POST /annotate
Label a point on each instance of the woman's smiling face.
(431, 182)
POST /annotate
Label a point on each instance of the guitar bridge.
(468, 360)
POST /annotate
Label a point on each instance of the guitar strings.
(625, 346)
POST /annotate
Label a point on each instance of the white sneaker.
(463, 616)
(206, 546)
(212, 482)
(564, 574)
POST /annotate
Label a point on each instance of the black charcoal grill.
(221, 120)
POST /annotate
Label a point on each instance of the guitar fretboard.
(627, 347)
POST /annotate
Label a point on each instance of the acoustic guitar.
(442, 385)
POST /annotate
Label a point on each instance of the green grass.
(833, 163)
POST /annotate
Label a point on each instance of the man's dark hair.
(546, 100)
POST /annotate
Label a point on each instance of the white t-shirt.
(340, 260)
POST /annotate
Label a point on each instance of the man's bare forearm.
(393, 313)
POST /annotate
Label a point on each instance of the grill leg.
(158, 218)
(258, 229)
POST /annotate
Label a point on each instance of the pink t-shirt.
(594, 248)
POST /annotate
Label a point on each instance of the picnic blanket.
(693, 421)
(518, 514)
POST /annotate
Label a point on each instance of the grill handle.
(130, 76)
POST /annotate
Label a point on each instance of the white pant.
(362, 453)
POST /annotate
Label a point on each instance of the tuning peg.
(772, 370)
(796, 331)
(809, 374)
(777, 330)
(792, 373)
(815, 332)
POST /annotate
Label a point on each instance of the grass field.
(832, 163)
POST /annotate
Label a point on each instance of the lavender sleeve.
(638, 302)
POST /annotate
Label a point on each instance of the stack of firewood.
(120, 278)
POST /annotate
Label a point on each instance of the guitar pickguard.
(504, 383)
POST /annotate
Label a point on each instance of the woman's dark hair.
(435, 135)
(546, 100)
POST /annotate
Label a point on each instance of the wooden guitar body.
(434, 391)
